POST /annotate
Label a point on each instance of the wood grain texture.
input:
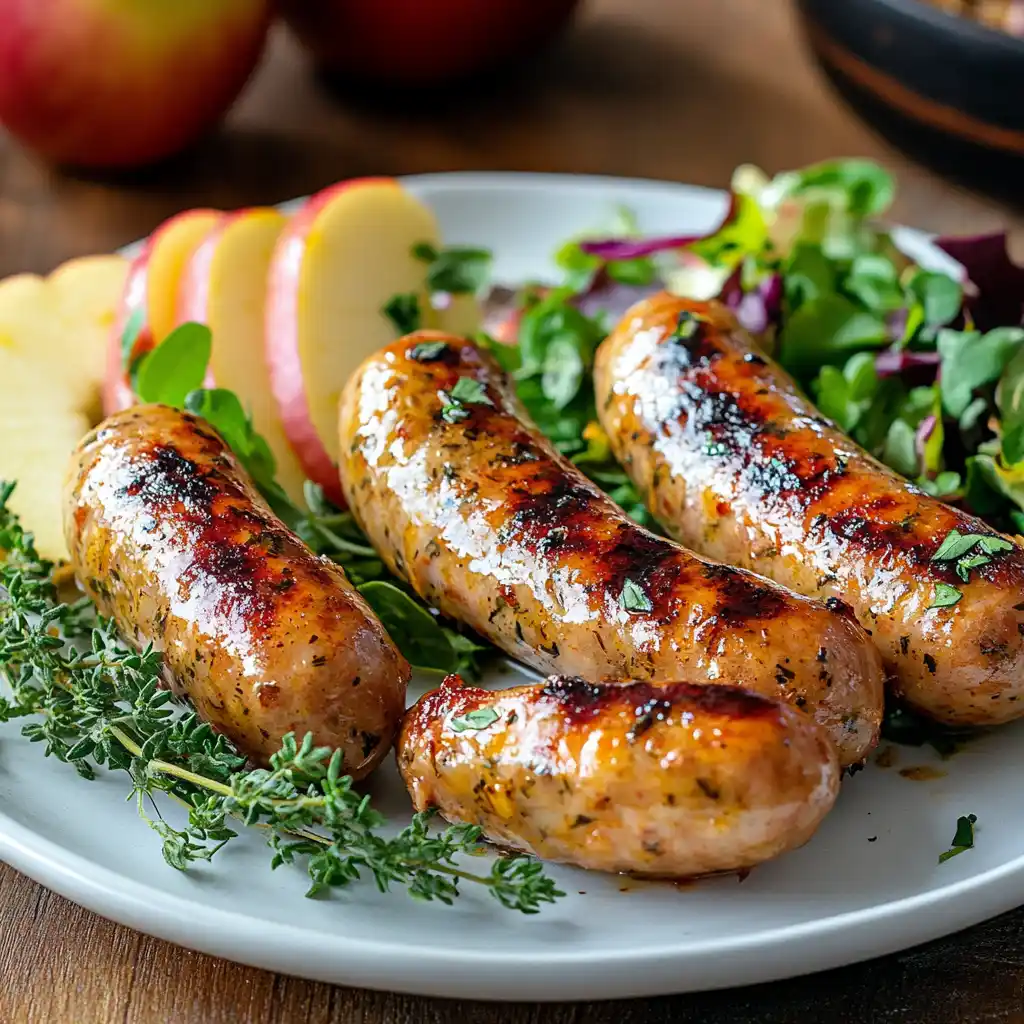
(61, 963)
(656, 88)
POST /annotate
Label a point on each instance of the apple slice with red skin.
(225, 286)
(342, 257)
(152, 287)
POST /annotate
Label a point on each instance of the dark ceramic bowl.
(943, 86)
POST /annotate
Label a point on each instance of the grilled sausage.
(672, 781)
(738, 464)
(169, 537)
(468, 502)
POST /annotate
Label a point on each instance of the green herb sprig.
(93, 702)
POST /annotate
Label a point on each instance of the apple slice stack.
(150, 297)
(53, 337)
(294, 307)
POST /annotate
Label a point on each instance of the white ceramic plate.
(869, 883)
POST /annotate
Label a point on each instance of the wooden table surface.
(655, 88)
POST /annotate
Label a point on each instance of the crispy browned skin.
(738, 464)
(671, 780)
(491, 526)
(169, 537)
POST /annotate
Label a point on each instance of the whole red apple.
(422, 42)
(121, 83)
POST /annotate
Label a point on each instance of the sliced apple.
(339, 261)
(40, 423)
(225, 286)
(151, 293)
(64, 320)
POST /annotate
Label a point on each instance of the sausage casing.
(673, 780)
(170, 538)
(471, 505)
(738, 464)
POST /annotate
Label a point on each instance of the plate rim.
(438, 971)
(825, 942)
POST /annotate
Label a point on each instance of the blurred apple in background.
(121, 83)
(422, 42)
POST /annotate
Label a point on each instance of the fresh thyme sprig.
(94, 702)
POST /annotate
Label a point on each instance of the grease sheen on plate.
(867, 884)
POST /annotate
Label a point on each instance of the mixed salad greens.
(924, 367)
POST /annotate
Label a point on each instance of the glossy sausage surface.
(169, 537)
(470, 504)
(669, 781)
(738, 464)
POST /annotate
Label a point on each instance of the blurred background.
(676, 89)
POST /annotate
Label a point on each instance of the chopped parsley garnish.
(958, 547)
(457, 270)
(963, 839)
(403, 311)
(428, 351)
(969, 562)
(467, 391)
(452, 412)
(945, 596)
(957, 544)
(686, 327)
(634, 599)
(470, 391)
(474, 720)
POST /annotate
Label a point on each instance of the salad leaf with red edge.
(996, 294)
(921, 366)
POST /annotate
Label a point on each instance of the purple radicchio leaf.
(924, 431)
(896, 323)
(604, 295)
(916, 368)
(759, 309)
(997, 296)
(636, 248)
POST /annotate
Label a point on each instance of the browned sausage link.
(738, 464)
(170, 538)
(674, 780)
(471, 504)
